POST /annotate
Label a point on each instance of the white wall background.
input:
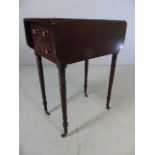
(95, 9)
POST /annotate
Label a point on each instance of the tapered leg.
(62, 81)
(86, 77)
(111, 78)
(41, 79)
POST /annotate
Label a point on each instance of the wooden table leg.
(41, 79)
(111, 78)
(86, 77)
(62, 82)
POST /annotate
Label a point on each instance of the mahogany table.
(66, 41)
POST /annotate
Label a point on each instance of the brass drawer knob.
(44, 33)
(35, 31)
(46, 51)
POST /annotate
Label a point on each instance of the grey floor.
(92, 129)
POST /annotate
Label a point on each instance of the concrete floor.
(93, 130)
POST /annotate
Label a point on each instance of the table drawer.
(43, 39)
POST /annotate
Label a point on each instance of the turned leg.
(62, 81)
(86, 77)
(111, 78)
(41, 79)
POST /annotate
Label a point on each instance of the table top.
(72, 19)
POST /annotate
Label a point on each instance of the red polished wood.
(66, 41)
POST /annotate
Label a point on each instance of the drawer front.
(43, 39)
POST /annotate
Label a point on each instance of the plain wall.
(91, 9)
